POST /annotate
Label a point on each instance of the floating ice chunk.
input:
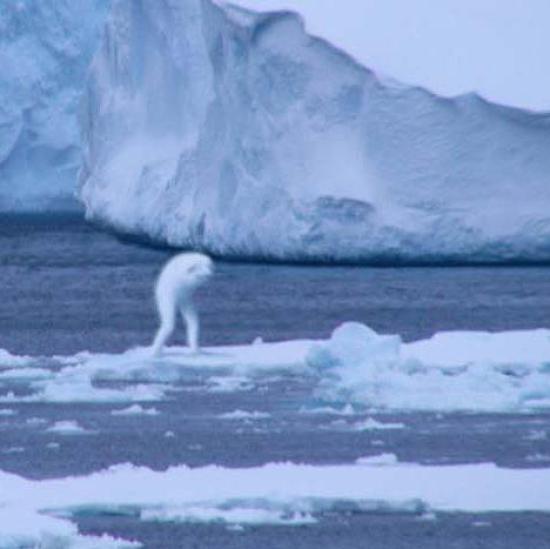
(478, 41)
(68, 427)
(24, 374)
(356, 367)
(45, 51)
(371, 424)
(229, 384)
(21, 527)
(502, 372)
(14, 450)
(260, 120)
(135, 410)
(514, 353)
(379, 460)
(7, 412)
(351, 343)
(243, 414)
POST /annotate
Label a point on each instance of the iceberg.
(213, 127)
(450, 47)
(45, 51)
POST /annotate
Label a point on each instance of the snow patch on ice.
(237, 515)
(135, 410)
(243, 414)
(209, 116)
(271, 494)
(355, 369)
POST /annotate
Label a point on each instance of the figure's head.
(200, 267)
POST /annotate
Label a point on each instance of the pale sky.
(499, 48)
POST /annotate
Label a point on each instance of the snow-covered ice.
(135, 410)
(21, 528)
(7, 412)
(243, 414)
(481, 371)
(371, 424)
(209, 116)
(380, 460)
(346, 410)
(68, 427)
(272, 494)
(355, 368)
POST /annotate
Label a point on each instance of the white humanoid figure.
(174, 290)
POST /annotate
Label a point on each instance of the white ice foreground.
(274, 494)
(470, 371)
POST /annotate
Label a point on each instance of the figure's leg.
(167, 315)
(191, 319)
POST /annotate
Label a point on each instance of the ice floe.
(379, 460)
(354, 370)
(371, 424)
(285, 493)
(21, 528)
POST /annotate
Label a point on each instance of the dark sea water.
(67, 287)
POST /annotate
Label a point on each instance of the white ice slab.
(273, 493)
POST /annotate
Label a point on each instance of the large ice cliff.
(45, 50)
(216, 128)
